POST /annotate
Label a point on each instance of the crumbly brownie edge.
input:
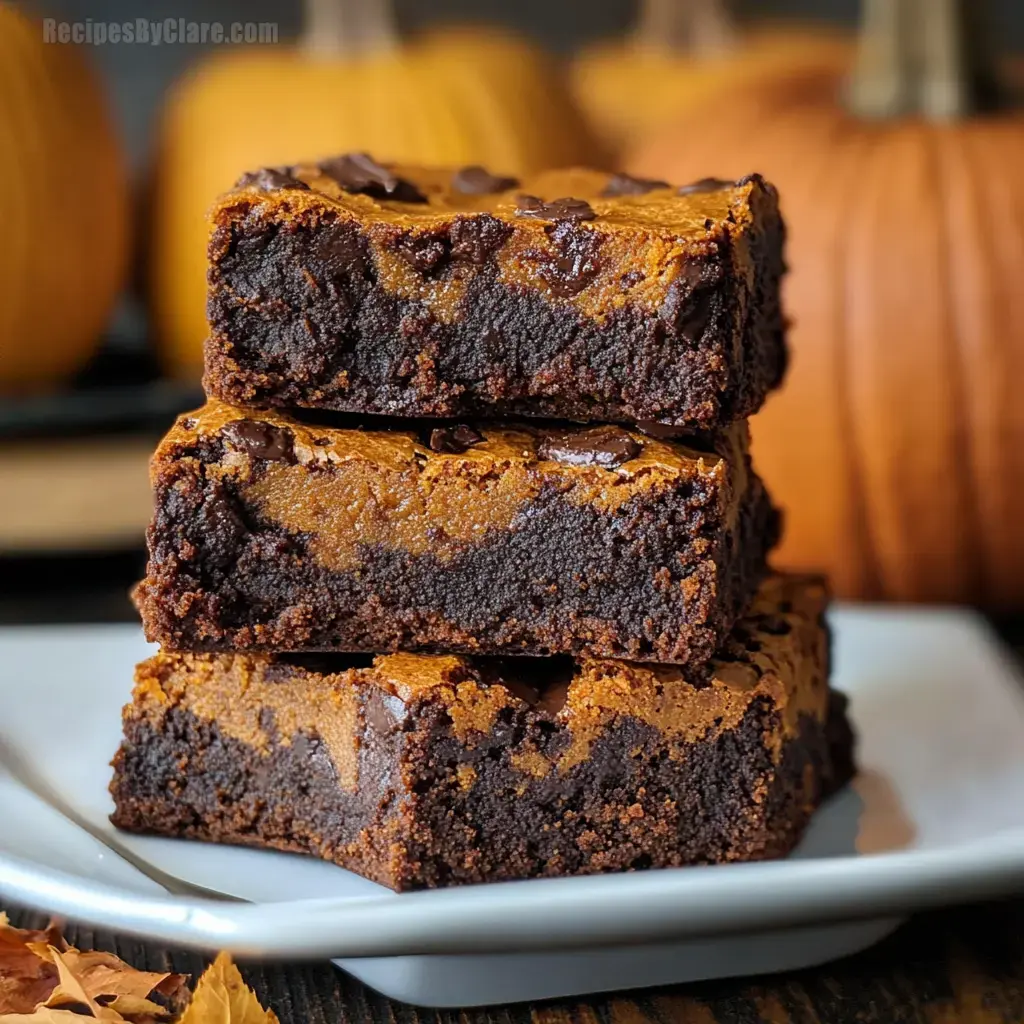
(220, 578)
(628, 806)
(330, 337)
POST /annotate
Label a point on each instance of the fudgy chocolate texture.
(420, 771)
(573, 294)
(271, 534)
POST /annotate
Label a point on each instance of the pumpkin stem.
(702, 27)
(925, 58)
(336, 28)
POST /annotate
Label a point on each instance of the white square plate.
(936, 815)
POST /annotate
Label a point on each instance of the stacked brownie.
(461, 572)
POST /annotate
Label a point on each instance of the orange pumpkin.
(63, 206)
(897, 444)
(450, 98)
(681, 54)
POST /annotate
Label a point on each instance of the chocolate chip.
(553, 699)
(261, 440)
(705, 185)
(383, 712)
(558, 209)
(627, 185)
(524, 691)
(476, 239)
(692, 299)
(542, 683)
(359, 172)
(631, 278)
(662, 431)
(454, 440)
(188, 423)
(423, 253)
(270, 179)
(478, 181)
(575, 261)
(222, 529)
(598, 446)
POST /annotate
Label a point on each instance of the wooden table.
(963, 964)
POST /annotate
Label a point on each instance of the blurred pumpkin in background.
(64, 208)
(897, 444)
(454, 97)
(680, 55)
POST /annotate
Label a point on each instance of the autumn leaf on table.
(44, 980)
(25, 980)
(222, 997)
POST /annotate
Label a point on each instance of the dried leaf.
(136, 1009)
(25, 980)
(222, 997)
(43, 1015)
(104, 974)
(70, 992)
(43, 979)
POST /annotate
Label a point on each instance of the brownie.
(274, 534)
(575, 294)
(433, 770)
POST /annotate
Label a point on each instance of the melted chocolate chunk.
(454, 440)
(558, 209)
(543, 683)
(261, 440)
(478, 181)
(524, 691)
(424, 253)
(691, 299)
(476, 239)
(662, 431)
(384, 713)
(607, 447)
(575, 261)
(705, 185)
(359, 172)
(627, 185)
(270, 179)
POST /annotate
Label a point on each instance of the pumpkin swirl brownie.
(278, 535)
(432, 770)
(580, 295)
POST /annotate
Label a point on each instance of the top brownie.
(574, 294)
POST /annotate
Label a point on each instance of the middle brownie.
(279, 535)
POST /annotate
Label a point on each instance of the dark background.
(139, 74)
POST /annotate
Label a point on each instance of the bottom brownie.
(430, 770)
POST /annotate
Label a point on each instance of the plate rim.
(585, 912)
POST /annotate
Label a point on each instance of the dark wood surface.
(961, 964)
(965, 964)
